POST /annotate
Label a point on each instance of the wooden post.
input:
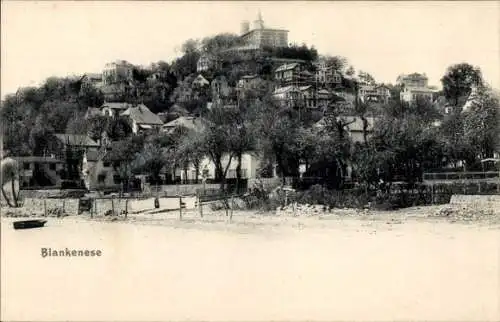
(180, 207)
(95, 204)
(200, 206)
(45, 207)
(126, 208)
(64, 205)
(432, 193)
(113, 206)
(232, 206)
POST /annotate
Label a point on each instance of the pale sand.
(253, 269)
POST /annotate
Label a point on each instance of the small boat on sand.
(27, 224)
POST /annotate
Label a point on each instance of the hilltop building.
(415, 86)
(260, 36)
(120, 70)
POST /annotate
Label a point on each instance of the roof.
(281, 90)
(249, 76)
(116, 106)
(189, 122)
(367, 87)
(93, 76)
(91, 111)
(200, 78)
(285, 67)
(142, 115)
(420, 89)
(76, 140)
(263, 29)
(36, 159)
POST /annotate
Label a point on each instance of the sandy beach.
(255, 268)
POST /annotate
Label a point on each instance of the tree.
(190, 151)
(217, 141)
(338, 63)
(459, 80)
(481, 123)
(9, 173)
(366, 78)
(350, 71)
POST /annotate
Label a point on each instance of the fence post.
(113, 206)
(232, 206)
(180, 207)
(126, 208)
(200, 206)
(64, 206)
(95, 204)
(45, 207)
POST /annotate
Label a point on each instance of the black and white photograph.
(250, 161)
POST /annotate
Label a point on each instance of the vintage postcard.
(250, 161)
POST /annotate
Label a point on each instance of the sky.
(386, 39)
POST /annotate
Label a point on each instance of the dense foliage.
(402, 143)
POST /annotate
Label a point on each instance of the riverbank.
(384, 267)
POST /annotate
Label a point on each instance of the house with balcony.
(374, 93)
(293, 74)
(327, 76)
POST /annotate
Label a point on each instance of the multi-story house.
(413, 80)
(118, 71)
(415, 86)
(93, 79)
(221, 91)
(39, 171)
(206, 62)
(302, 96)
(260, 36)
(293, 74)
(326, 75)
(374, 93)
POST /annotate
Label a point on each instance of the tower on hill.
(260, 36)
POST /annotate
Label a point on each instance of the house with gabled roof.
(200, 81)
(112, 109)
(189, 122)
(142, 119)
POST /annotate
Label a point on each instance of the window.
(52, 166)
(26, 166)
(101, 178)
(117, 179)
(106, 164)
